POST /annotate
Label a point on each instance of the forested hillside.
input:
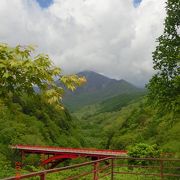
(28, 117)
(134, 123)
(34, 122)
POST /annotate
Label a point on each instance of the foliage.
(142, 150)
(117, 102)
(5, 167)
(164, 87)
(97, 120)
(21, 71)
(33, 121)
(30, 104)
(132, 124)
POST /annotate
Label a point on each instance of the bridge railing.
(116, 167)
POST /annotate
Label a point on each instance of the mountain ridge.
(97, 88)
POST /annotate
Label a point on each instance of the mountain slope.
(30, 120)
(97, 88)
(134, 122)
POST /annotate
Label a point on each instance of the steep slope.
(141, 123)
(28, 120)
(97, 88)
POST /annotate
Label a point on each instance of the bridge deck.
(60, 150)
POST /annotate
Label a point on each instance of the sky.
(136, 3)
(45, 3)
(112, 37)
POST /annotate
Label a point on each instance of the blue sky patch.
(45, 3)
(136, 2)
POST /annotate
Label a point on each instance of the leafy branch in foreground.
(21, 71)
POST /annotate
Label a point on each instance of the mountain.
(97, 89)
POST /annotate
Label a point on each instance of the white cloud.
(108, 36)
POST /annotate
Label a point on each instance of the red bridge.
(106, 163)
(52, 156)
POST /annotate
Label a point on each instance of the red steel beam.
(61, 150)
(58, 157)
(61, 153)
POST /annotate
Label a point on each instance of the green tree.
(142, 150)
(21, 70)
(164, 87)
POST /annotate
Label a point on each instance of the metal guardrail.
(115, 165)
(157, 164)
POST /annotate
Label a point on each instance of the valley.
(86, 125)
(118, 122)
(124, 120)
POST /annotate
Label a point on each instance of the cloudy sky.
(112, 37)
